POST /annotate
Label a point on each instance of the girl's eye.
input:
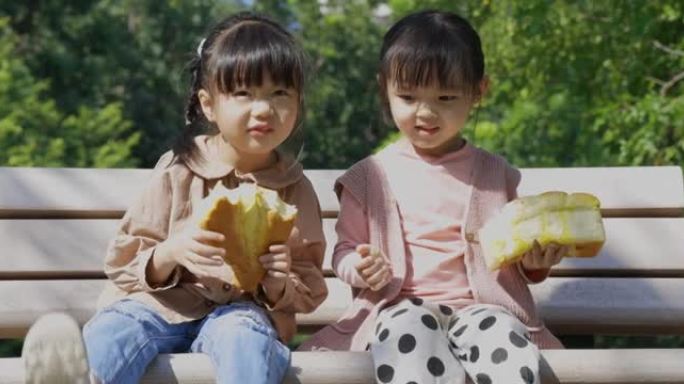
(281, 92)
(240, 93)
(407, 98)
(448, 98)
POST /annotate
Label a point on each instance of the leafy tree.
(33, 131)
(128, 52)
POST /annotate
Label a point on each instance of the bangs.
(251, 50)
(429, 56)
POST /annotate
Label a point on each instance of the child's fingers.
(278, 248)
(556, 254)
(207, 257)
(206, 250)
(276, 274)
(275, 262)
(203, 235)
(277, 266)
(536, 250)
(373, 268)
(378, 277)
(379, 280)
(364, 263)
(363, 249)
(565, 251)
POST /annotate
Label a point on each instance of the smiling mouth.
(429, 130)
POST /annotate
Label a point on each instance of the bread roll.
(251, 218)
(567, 219)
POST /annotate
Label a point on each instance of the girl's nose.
(425, 111)
(261, 108)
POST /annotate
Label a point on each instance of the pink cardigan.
(366, 181)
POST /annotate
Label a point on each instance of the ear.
(207, 104)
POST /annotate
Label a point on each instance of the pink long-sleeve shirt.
(432, 204)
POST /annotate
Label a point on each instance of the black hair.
(431, 46)
(235, 53)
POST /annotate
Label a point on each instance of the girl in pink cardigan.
(424, 302)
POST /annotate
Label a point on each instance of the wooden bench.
(55, 225)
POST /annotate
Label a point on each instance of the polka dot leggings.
(420, 342)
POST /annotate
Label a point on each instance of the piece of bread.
(567, 219)
(251, 218)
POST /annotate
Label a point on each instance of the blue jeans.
(123, 339)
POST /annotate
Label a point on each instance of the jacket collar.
(204, 162)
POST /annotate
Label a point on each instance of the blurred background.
(103, 83)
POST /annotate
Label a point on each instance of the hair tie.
(200, 47)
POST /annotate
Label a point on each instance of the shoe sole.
(54, 352)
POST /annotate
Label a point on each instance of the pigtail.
(195, 120)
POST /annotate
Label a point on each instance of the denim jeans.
(122, 339)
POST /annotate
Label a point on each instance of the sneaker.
(54, 352)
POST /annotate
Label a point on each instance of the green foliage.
(577, 83)
(131, 53)
(33, 131)
(103, 83)
(343, 121)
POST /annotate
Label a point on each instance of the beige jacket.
(166, 206)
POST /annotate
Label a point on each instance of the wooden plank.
(68, 192)
(574, 305)
(623, 191)
(568, 305)
(105, 193)
(602, 366)
(58, 248)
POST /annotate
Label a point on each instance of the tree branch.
(667, 49)
(666, 87)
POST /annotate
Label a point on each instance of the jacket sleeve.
(352, 230)
(145, 224)
(305, 288)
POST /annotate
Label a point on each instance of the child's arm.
(143, 227)
(352, 230)
(354, 260)
(144, 256)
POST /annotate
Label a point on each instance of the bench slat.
(72, 248)
(606, 366)
(88, 193)
(568, 305)
(623, 191)
(574, 305)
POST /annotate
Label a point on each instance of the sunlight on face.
(430, 117)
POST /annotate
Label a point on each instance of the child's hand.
(277, 264)
(544, 258)
(193, 250)
(374, 268)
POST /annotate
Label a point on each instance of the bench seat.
(559, 366)
(55, 225)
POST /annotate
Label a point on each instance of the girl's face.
(253, 120)
(431, 117)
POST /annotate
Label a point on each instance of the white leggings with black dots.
(420, 342)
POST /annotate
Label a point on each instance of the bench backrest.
(55, 225)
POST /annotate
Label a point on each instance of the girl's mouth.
(422, 130)
(259, 130)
